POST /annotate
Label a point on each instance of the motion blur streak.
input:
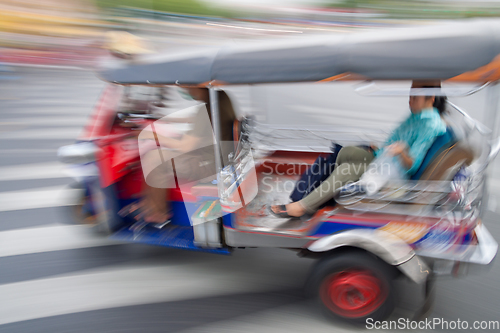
(56, 277)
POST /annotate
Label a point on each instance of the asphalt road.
(56, 277)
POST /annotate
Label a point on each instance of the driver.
(192, 154)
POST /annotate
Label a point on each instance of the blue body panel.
(227, 220)
(170, 236)
(178, 234)
(330, 228)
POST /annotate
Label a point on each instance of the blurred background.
(53, 32)
(56, 277)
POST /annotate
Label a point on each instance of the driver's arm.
(185, 144)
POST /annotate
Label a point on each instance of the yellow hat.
(126, 43)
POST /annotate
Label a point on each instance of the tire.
(353, 287)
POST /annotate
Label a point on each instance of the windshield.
(141, 99)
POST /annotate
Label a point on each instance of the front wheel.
(87, 206)
(354, 287)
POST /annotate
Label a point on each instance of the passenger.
(409, 142)
(193, 155)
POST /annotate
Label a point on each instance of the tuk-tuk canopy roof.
(463, 51)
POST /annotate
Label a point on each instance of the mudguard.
(384, 245)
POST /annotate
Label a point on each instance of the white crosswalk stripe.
(122, 286)
(49, 238)
(27, 151)
(53, 196)
(40, 134)
(51, 121)
(33, 171)
(60, 110)
(285, 319)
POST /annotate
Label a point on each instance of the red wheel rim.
(353, 293)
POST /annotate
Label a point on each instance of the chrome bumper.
(486, 249)
(474, 259)
(482, 253)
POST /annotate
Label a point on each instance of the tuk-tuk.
(418, 229)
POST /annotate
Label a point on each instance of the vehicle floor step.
(174, 236)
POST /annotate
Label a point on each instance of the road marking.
(68, 67)
(33, 171)
(56, 110)
(285, 319)
(54, 196)
(48, 121)
(48, 239)
(29, 151)
(126, 285)
(46, 133)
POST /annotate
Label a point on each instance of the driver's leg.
(155, 189)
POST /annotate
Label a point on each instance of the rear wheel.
(354, 287)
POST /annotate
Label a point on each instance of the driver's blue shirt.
(418, 132)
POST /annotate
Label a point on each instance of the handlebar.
(123, 116)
